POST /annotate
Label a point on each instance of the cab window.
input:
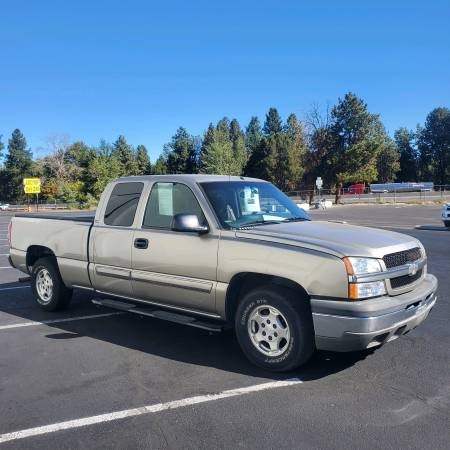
(167, 200)
(122, 204)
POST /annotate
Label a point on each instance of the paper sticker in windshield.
(249, 199)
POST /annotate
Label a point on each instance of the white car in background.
(445, 213)
(4, 206)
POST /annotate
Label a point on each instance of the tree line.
(345, 144)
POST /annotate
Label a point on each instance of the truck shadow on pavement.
(160, 338)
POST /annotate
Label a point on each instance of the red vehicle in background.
(358, 188)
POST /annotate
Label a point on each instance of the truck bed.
(65, 235)
(70, 217)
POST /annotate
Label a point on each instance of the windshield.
(243, 203)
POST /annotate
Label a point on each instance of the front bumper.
(348, 326)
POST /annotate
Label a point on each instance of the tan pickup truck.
(219, 251)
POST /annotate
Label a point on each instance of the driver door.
(170, 267)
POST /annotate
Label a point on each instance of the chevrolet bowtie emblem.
(412, 268)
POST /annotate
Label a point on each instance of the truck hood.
(339, 239)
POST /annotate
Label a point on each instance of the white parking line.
(67, 319)
(4, 254)
(150, 409)
(14, 287)
(6, 267)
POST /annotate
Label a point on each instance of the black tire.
(59, 296)
(447, 223)
(295, 311)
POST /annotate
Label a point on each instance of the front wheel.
(48, 288)
(447, 223)
(274, 328)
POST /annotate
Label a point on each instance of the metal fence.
(32, 206)
(438, 194)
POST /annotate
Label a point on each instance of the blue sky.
(98, 69)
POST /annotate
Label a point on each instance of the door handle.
(141, 243)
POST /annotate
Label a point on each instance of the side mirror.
(188, 223)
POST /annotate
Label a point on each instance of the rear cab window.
(122, 204)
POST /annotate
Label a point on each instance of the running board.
(159, 314)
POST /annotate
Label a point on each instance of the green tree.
(253, 136)
(388, 162)
(217, 151)
(126, 157)
(404, 140)
(101, 171)
(240, 154)
(2, 146)
(18, 165)
(297, 150)
(357, 137)
(208, 139)
(143, 160)
(434, 146)
(273, 123)
(181, 153)
(160, 166)
(257, 165)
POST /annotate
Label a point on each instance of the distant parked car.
(445, 213)
(4, 206)
(358, 188)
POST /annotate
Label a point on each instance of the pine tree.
(217, 154)
(434, 147)
(296, 156)
(253, 135)
(143, 160)
(18, 165)
(126, 156)
(404, 140)
(160, 166)
(258, 163)
(240, 154)
(181, 152)
(388, 162)
(2, 146)
(273, 122)
(357, 137)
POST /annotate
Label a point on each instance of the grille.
(405, 280)
(401, 258)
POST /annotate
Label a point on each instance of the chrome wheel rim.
(44, 285)
(268, 330)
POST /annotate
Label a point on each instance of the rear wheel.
(447, 223)
(48, 288)
(274, 328)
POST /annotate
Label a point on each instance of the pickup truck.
(218, 251)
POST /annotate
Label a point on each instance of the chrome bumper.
(337, 332)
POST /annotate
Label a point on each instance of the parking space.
(91, 377)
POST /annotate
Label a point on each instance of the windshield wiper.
(258, 222)
(295, 219)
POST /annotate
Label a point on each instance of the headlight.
(359, 266)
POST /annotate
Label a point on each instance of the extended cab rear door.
(170, 267)
(112, 239)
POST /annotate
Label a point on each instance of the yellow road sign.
(32, 189)
(32, 185)
(31, 181)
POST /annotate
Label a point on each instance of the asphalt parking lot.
(200, 390)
